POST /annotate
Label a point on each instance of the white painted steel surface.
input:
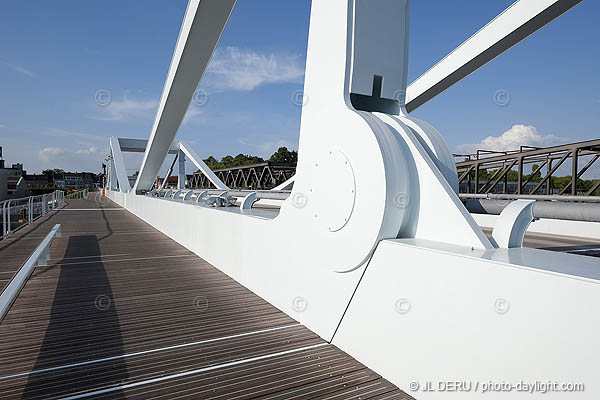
(119, 173)
(512, 224)
(39, 256)
(429, 312)
(201, 29)
(394, 217)
(582, 229)
(513, 25)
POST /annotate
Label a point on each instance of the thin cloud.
(512, 139)
(191, 114)
(69, 159)
(128, 109)
(233, 68)
(18, 68)
(58, 132)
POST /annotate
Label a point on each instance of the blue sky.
(56, 56)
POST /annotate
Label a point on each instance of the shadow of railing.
(83, 325)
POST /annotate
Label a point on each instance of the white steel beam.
(194, 158)
(517, 22)
(120, 171)
(129, 145)
(202, 27)
(181, 172)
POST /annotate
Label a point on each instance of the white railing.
(16, 213)
(40, 256)
(81, 194)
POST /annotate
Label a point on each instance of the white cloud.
(128, 109)
(69, 159)
(87, 151)
(48, 153)
(512, 139)
(18, 68)
(234, 68)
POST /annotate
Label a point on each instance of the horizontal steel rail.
(40, 257)
(503, 162)
(31, 208)
(80, 194)
(490, 196)
(561, 210)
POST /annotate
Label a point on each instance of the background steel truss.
(549, 158)
(262, 176)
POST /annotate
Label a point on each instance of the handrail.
(40, 257)
(540, 197)
(33, 206)
(80, 194)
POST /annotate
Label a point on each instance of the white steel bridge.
(367, 279)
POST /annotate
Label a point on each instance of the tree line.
(557, 182)
(282, 155)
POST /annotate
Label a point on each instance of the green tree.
(52, 172)
(283, 155)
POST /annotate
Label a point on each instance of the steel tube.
(490, 196)
(541, 209)
(260, 195)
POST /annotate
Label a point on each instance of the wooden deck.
(122, 311)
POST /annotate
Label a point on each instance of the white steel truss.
(373, 249)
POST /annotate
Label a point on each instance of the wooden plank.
(121, 303)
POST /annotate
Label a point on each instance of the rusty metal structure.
(261, 176)
(550, 158)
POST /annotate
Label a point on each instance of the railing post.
(574, 168)
(549, 183)
(42, 261)
(44, 204)
(3, 220)
(8, 218)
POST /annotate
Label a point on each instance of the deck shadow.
(83, 325)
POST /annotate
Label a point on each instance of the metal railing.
(40, 256)
(501, 164)
(81, 194)
(17, 213)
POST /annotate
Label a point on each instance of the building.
(12, 182)
(77, 180)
